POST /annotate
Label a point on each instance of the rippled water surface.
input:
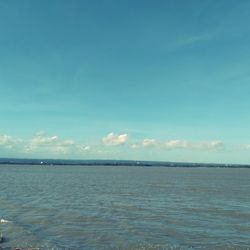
(100, 207)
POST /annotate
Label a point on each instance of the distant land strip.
(49, 162)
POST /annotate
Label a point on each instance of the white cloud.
(55, 145)
(52, 144)
(149, 142)
(8, 142)
(183, 144)
(178, 144)
(113, 139)
(144, 144)
(135, 145)
(212, 145)
(44, 145)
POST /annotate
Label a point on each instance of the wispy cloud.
(183, 144)
(144, 144)
(42, 142)
(178, 144)
(193, 39)
(114, 139)
(149, 142)
(8, 142)
(83, 149)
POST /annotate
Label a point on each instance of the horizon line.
(56, 161)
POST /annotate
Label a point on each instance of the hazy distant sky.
(125, 79)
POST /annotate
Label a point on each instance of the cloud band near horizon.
(42, 143)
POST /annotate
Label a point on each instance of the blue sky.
(113, 79)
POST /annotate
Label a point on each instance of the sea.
(124, 207)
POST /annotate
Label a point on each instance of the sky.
(125, 79)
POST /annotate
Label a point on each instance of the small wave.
(2, 221)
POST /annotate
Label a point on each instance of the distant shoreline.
(58, 162)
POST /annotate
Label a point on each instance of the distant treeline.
(115, 163)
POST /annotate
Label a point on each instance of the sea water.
(124, 207)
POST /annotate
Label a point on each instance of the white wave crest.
(4, 221)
